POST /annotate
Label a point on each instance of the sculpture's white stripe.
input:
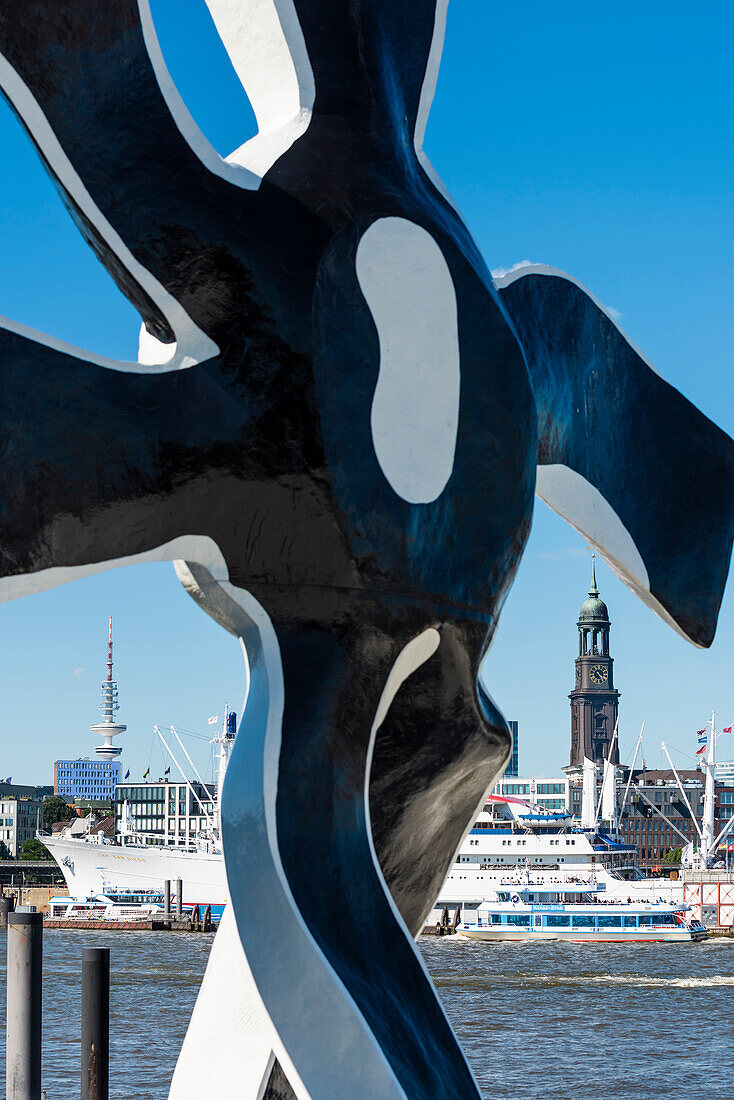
(415, 411)
(579, 502)
(289, 971)
(200, 145)
(231, 1039)
(415, 654)
(582, 505)
(428, 91)
(265, 44)
(192, 345)
(289, 968)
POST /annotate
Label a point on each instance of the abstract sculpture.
(333, 429)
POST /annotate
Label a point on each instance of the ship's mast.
(108, 727)
(709, 799)
(225, 740)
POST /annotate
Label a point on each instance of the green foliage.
(673, 856)
(33, 849)
(4, 851)
(55, 809)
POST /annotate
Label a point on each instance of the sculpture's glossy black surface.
(267, 448)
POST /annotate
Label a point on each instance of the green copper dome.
(593, 609)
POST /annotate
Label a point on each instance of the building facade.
(655, 813)
(594, 699)
(20, 817)
(725, 772)
(169, 813)
(93, 780)
(551, 794)
(512, 767)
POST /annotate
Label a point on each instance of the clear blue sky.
(595, 139)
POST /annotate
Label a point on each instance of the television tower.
(108, 727)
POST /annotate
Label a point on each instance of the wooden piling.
(95, 1059)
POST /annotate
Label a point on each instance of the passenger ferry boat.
(125, 906)
(511, 839)
(579, 913)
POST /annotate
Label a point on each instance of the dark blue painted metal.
(267, 449)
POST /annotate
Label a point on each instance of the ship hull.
(90, 869)
(505, 935)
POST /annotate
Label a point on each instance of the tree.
(33, 849)
(673, 856)
(4, 851)
(56, 809)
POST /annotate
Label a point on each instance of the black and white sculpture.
(334, 430)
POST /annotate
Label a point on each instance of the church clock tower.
(594, 700)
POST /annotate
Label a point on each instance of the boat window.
(583, 920)
(557, 920)
(518, 918)
(606, 920)
(630, 922)
(496, 918)
(645, 919)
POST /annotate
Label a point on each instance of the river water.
(537, 1021)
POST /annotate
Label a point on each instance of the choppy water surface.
(537, 1021)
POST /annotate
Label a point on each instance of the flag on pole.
(213, 721)
(127, 774)
(726, 729)
(699, 751)
(167, 771)
(146, 773)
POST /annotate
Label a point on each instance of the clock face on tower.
(598, 674)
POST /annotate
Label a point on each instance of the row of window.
(584, 920)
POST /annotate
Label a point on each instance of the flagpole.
(170, 752)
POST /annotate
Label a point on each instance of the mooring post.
(23, 1033)
(167, 899)
(6, 907)
(95, 1023)
(179, 898)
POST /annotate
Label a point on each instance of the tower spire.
(593, 591)
(108, 727)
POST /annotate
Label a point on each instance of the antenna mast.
(108, 727)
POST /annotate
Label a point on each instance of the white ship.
(514, 844)
(93, 865)
(578, 913)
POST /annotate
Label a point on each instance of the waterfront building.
(21, 814)
(594, 699)
(550, 794)
(169, 813)
(17, 790)
(725, 772)
(652, 831)
(512, 767)
(92, 780)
